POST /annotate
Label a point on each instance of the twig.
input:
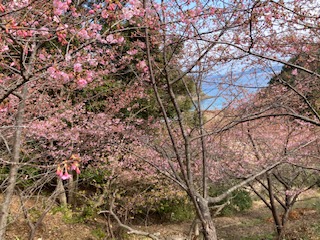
(130, 230)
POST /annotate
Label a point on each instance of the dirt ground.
(257, 224)
(253, 224)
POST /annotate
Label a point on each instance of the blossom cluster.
(72, 164)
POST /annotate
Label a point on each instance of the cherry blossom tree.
(264, 142)
(51, 47)
(225, 38)
(53, 50)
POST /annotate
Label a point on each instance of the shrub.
(239, 201)
(175, 210)
(79, 215)
(99, 233)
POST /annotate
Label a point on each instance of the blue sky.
(251, 80)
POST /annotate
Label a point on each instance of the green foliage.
(239, 201)
(312, 95)
(148, 106)
(145, 107)
(34, 214)
(285, 75)
(175, 210)
(93, 176)
(4, 171)
(316, 229)
(95, 98)
(29, 174)
(191, 118)
(66, 212)
(79, 215)
(99, 233)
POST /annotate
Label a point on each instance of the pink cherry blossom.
(90, 75)
(56, 19)
(127, 13)
(2, 8)
(4, 108)
(77, 67)
(75, 167)
(142, 66)
(4, 49)
(104, 14)
(60, 7)
(110, 38)
(132, 52)
(83, 34)
(42, 57)
(120, 39)
(294, 72)
(112, 7)
(64, 77)
(67, 57)
(66, 176)
(82, 83)
(93, 62)
(52, 72)
(95, 27)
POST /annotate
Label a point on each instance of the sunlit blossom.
(82, 83)
(77, 67)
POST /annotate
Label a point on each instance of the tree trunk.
(208, 228)
(71, 190)
(61, 192)
(12, 179)
(274, 211)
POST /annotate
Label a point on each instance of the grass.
(267, 236)
(253, 222)
(257, 224)
(99, 233)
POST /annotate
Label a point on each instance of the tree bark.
(208, 228)
(273, 207)
(61, 192)
(71, 190)
(14, 167)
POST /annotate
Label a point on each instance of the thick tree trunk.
(208, 228)
(5, 208)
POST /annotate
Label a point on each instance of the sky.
(252, 80)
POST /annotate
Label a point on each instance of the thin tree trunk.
(61, 192)
(14, 167)
(273, 206)
(71, 190)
